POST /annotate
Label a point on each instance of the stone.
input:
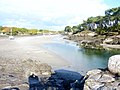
(106, 88)
(101, 80)
(86, 87)
(16, 72)
(92, 84)
(114, 64)
(106, 78)
(116, 85)
(23, 87)
(96, 77)
(3, 86)
(19, 87)
(93, 72)
(68, 75)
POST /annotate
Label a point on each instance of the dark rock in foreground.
(64, 79)
(60, 80)
(68, 75)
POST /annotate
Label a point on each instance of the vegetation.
(23, 31)
(103, 25)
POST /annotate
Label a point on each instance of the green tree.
(68, 29)
(32, 31)
(1, 28)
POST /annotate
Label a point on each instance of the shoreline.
(96, 42)
(31, 48)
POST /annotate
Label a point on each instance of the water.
(81, 59)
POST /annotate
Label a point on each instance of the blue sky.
(112, 3)
(51, 14)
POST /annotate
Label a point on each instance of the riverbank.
(96, 41)
(26, 64)
(31, 48)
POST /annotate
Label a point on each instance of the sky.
(51, 14)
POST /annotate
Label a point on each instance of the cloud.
(49, 14)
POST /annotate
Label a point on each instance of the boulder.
(101, 80)
(68, 75)
(114, 64)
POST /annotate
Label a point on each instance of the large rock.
(114, 64)
(101, 80)
(105, 79)
(68, 75)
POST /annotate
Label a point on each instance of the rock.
(92, 34)
(113, 40)
(45, 69)
(93, 85)
(106, 88)
(36, 67)
(106, 78)
(114, 64)
(68, 75)
(95, 77)
(16, 72)
(111, 86)
(108, 41)
(23, 87)
(19, 87)
(94, 44)
(45, 73)
(72, 80)
(78, 84)
(35, 83)
(93, 72)
(2, 86)
(101, 80)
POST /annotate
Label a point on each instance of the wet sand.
(31, 48)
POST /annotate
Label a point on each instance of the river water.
(81, 59)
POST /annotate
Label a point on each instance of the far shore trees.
(23, 31)
(102, 25)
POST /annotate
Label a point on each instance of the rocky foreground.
(34, 75)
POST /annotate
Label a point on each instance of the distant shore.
(96, 42)
(30, 47)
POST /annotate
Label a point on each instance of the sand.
(31, 48)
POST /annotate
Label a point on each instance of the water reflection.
(100, 53)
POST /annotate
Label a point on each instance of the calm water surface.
(81, 59)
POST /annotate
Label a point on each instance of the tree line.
(102, 25)
(24, 31)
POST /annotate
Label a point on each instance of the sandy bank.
(31, 48)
